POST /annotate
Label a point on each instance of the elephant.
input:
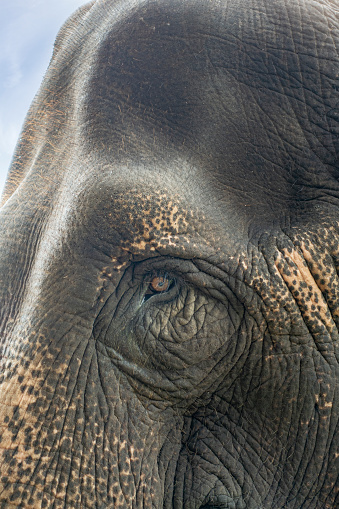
(169, 262)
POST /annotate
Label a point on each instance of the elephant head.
(169, 262)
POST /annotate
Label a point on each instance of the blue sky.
(27, 32)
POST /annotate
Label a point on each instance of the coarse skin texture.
(191, 144)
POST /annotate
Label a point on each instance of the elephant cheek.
(74, 434)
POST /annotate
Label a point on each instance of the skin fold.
(169, 262)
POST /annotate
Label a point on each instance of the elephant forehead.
(225, 85)
(241, 92)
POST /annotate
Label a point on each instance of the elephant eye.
(159, 283)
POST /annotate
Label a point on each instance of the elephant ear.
(26, 150)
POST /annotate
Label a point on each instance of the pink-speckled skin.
(197, 141)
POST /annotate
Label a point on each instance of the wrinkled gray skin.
(194, 141)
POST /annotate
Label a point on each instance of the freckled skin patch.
(193, 142)
(154, 217)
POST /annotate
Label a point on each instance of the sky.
(27, 32)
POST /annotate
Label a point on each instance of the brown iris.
(160, 284)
